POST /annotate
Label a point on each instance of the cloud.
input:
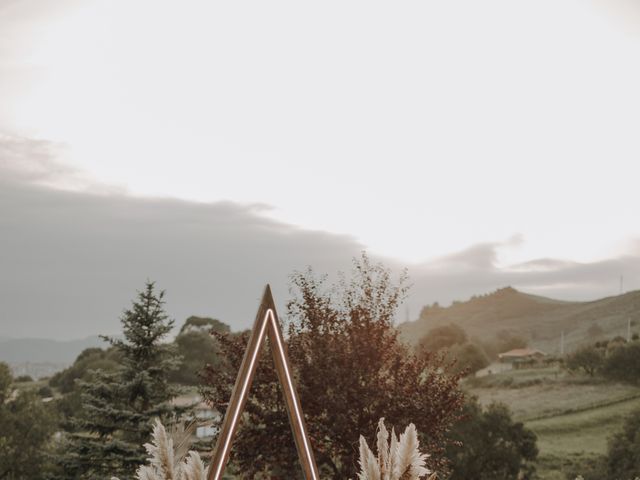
(474, 271)
(72, 260)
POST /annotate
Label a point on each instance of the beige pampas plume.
(399, 459)
(410, 463)
(383, 450)
(369, 468)
(161, 453)
(393, 457)
(193, 468)
(162, 459)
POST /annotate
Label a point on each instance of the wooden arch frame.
(266, 323)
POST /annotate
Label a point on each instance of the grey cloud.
(473, 271)
(70, 262)
(31, 160)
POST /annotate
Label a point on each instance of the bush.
(491, 445)
(469, 358)
(442, 337)
(623, 456)
(45, 392)
(589, 359)
(623, 363)
(88, 360)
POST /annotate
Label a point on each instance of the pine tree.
(119, 407)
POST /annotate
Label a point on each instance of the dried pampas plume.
(398, 458)
(163, 464)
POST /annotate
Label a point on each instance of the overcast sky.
(215, 146)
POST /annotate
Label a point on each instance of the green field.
(572, 416)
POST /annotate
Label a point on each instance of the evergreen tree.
(118, 406)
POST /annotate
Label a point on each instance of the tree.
(119, 406)
(196, 347)
(506, 341)
(441, 337)
(88, 360)
(26, 427)
(468, 358)
(203, 325)
(350, 368)
(590, 359)
(503, 342)
(6, 379)
(491, 445)
(623, 363)
(623, 456)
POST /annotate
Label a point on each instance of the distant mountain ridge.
(538, 319)
(41, 350)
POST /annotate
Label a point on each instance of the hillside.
(540, 320)
(572, 415)
(41, 350)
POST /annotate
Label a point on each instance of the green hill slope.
(540, 320)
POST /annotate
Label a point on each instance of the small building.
(494, 368)
(522, 356)
(203, 418)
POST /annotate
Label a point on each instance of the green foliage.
(623, 457)
(196, 347)
(491, 445)
(469, 358)
(589, 359)
(452, 339)
(623, 363)
(88, 360)
(26, 428)
(196, 350)
(6, 379)
(442, 337)
(118, 406)
(45, 391)
(351, 369)
(24, 379)
(204, 325)
(589, 468)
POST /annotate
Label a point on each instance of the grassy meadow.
(572, 415)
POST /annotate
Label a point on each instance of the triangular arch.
(266, 323)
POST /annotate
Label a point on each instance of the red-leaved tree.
(350, 370)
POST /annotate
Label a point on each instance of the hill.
(539, 320)
(571, 414)
(41, 350)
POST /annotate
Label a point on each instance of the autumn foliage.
(351, 369)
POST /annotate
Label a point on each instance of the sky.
(215, 146)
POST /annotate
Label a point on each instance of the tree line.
(350, 367)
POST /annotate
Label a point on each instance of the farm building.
(522, 355)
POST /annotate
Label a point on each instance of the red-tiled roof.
(521, 352)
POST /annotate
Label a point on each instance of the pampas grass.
(398, 458)
(165, 463)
